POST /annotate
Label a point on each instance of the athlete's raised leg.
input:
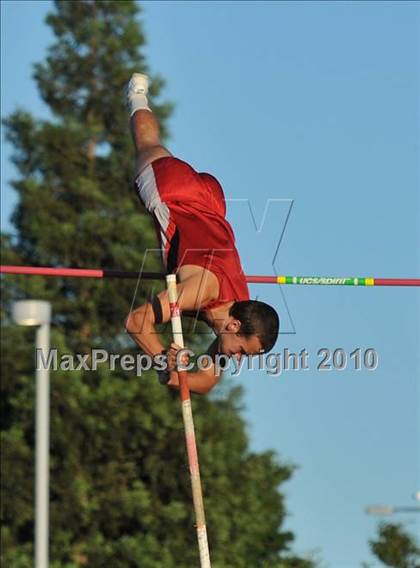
(144, 126)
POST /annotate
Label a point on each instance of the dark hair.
(257, 318)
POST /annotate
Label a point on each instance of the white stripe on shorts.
(149, 194)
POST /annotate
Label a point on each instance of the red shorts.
(189, 211)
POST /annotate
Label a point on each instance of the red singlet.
(189, 211)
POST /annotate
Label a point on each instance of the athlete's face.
(233, 344)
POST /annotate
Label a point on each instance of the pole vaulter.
(204, 275)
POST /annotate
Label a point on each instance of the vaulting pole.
(189, 428)
(297, 280)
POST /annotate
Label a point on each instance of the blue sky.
(314, 102)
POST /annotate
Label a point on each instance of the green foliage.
(120, 489)
(76, 173)
(395, 547)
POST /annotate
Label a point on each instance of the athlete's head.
(252, 327)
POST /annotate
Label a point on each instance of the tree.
(120, 491)
(76, 172)
(395, 547)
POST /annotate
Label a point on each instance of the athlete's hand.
(172, 352)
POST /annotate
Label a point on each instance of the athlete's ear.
(234, 325)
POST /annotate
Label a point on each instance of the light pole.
(38, 313)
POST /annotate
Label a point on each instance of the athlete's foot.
(136, 93)
(138, 84)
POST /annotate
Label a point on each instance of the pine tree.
(120, 490)
(76, 171)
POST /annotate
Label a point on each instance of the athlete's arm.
(193, 293)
